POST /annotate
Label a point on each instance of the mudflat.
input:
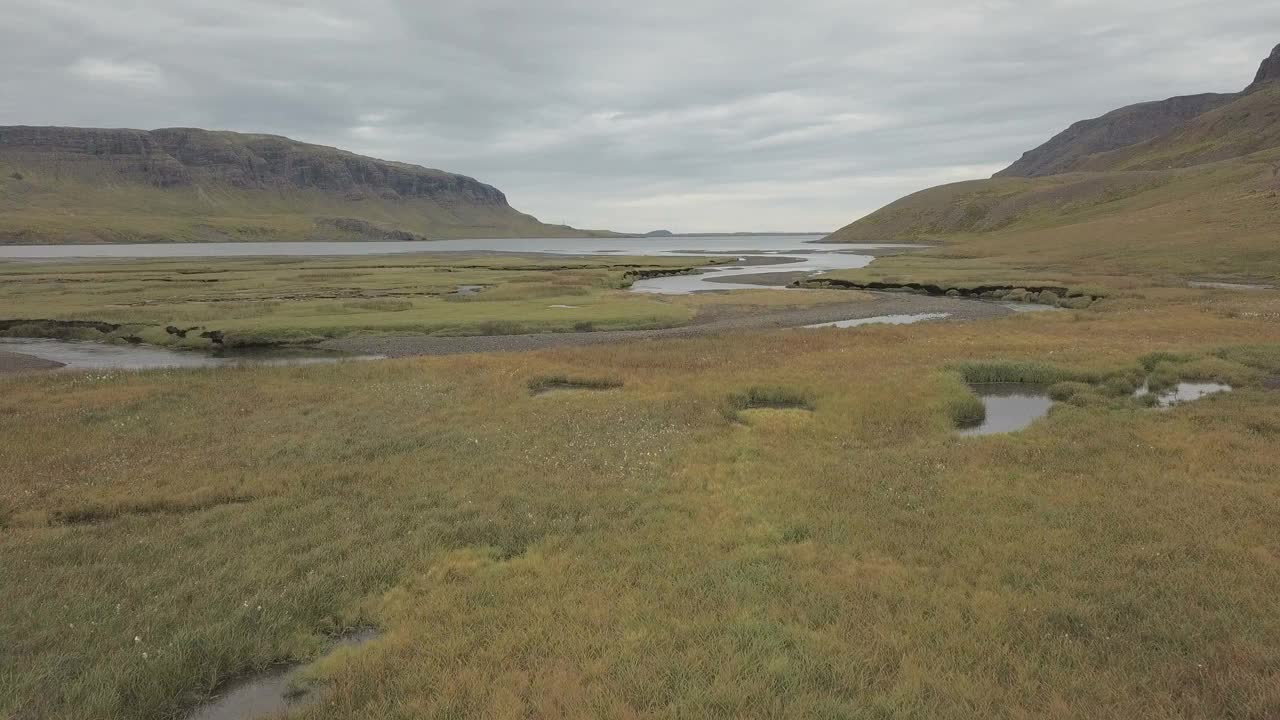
(11, 362)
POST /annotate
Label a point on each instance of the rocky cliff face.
(1071, 150)
(178, 157)
(1269, 72)
(1117, 129)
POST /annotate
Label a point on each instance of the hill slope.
(183, 184)
(1198, 197)
(1117, 129)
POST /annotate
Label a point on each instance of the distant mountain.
(1197, 176)
(61, 184)
(659, 233)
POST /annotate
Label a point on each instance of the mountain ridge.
(1198, 197)
(195, 184)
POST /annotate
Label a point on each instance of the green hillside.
(87, 185)
(1200, 199)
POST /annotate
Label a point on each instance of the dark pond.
(1010, 407)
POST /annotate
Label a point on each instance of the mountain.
(1187, 184)
(60, 184)
(1117, 129)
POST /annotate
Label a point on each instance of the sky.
(687, 115)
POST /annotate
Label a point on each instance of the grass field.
(273, 301)
(673, 543)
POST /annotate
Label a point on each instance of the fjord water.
(794, 253)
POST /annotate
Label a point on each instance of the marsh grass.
(551, 383)
(634, 555)
(979, 372)
(767, 397)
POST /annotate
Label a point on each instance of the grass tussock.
(767, 397)
(963, 407)
(551, 383)
(982, 372)
(1259, 357)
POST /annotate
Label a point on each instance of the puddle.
(1024, 307)
(566, 307)
(89, 355)
(269, 695)
(883, 320)
(1183, 392)
(1228, 286)
(468, 290)
(1010, 407)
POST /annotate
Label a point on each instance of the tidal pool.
(269, 695)
(1184, 392)
(89, 355)
(883, 320)
(1010, 407)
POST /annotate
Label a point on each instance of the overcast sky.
(691, 115)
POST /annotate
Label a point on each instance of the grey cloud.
(690, 114)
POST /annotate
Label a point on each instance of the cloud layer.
(691, 115)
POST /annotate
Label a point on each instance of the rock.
(1117, 129)
(1268, 72)
(186, 156)
(1047, 297)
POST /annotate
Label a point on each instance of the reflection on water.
(1010, 407)
(883, 320)
(88, 355)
